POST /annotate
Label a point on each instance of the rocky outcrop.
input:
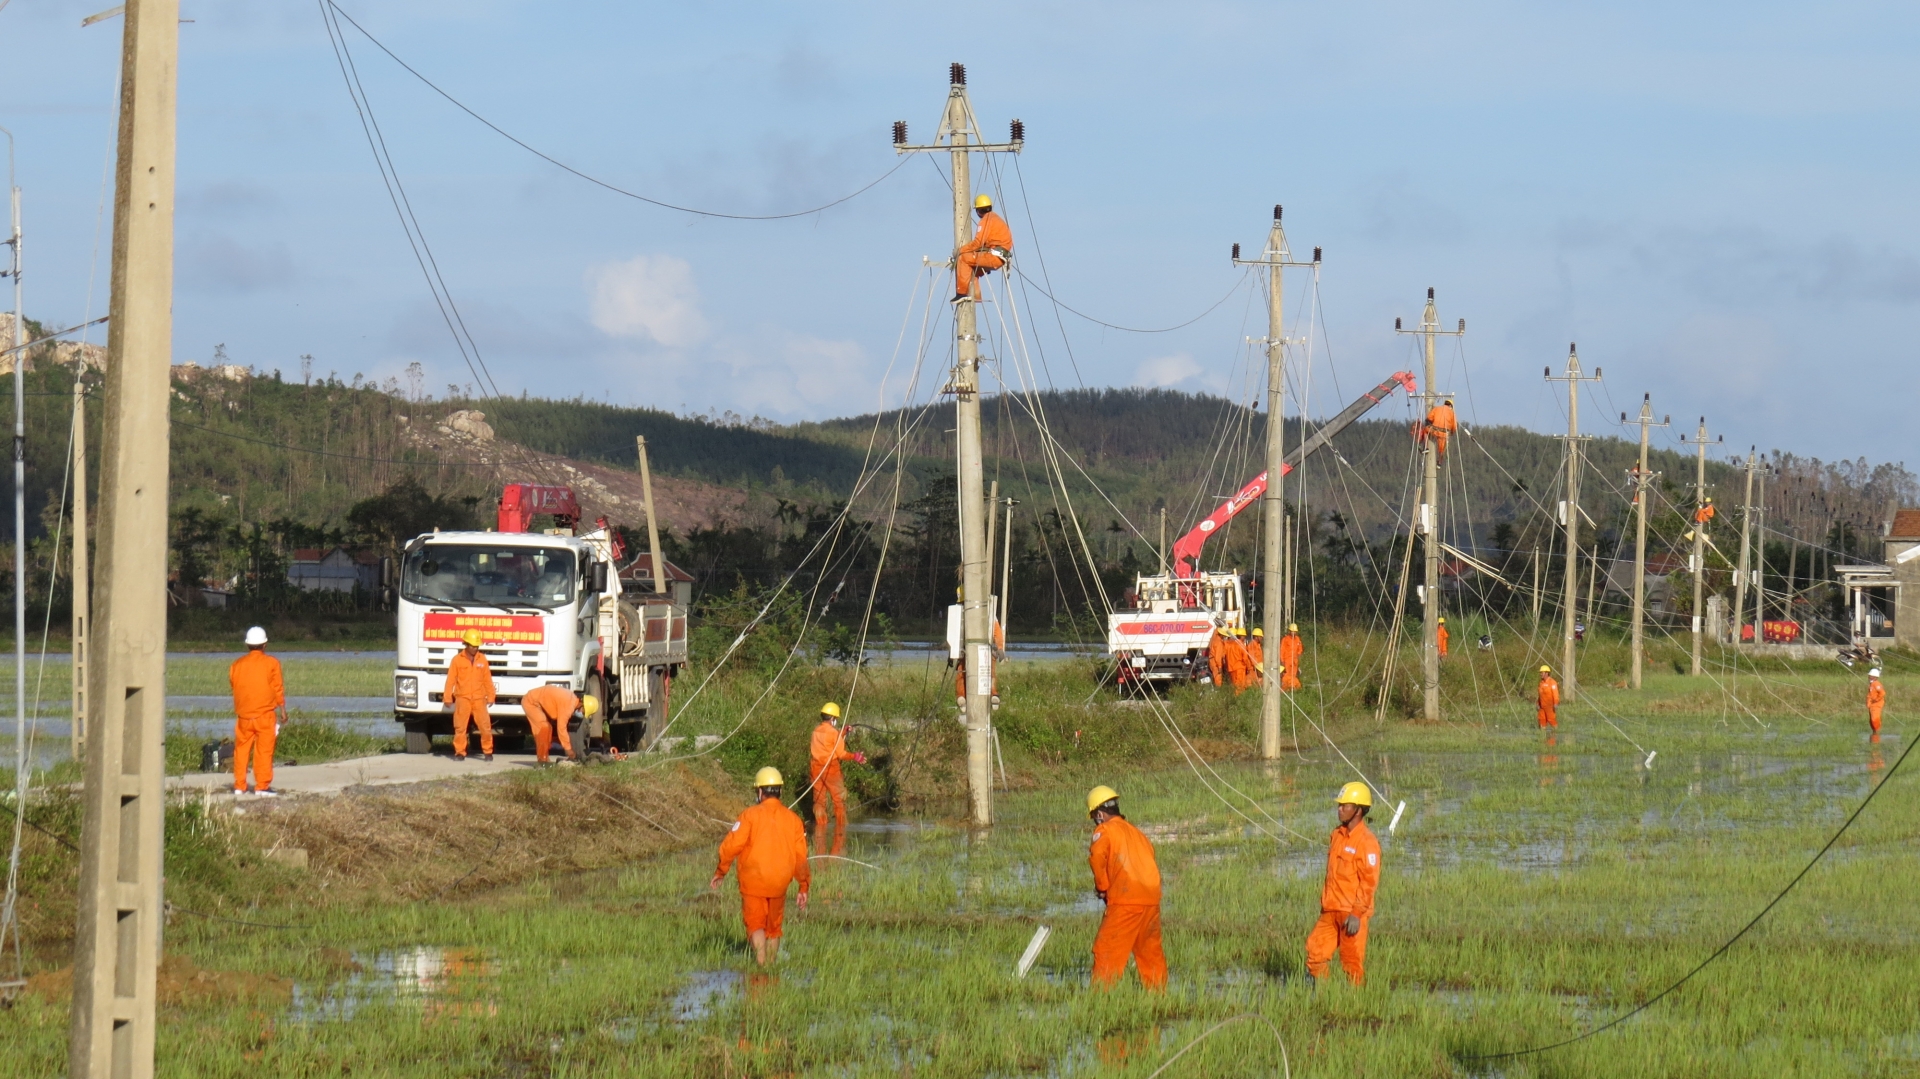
(468, 422)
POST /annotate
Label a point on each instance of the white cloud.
(648, 296)
(1161, 371)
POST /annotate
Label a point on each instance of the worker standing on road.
(1441, 637)
(259, 708)
(1217, 646)
(829, 748)
(1127, 879)
(1290, 652)
(988, 250)
(770, 844)
(1876, 700)
(1346, 900)
(549, 709)
(1441, 422)
(470, 686)
(1548, 699)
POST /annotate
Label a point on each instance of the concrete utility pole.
(1740, 576)
(81, 627)
(1641, 479)
(1698, 565)
(117, 946)
(1006, 563)
(653, 524)
(1273, 574)
(1760, 552)
(1428, 514)
(956, 137)
(1569, 678)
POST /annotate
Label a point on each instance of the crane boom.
(1187, 550)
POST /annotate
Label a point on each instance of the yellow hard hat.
(830, 709)
(1293, 627)
(471, 638)
(589, 706)
(1546, 670)
(1354, 794)
(768, 777)
(1258, 632)
(1239, 632)
(983, 202)
(1100, 796)
(1443, 620)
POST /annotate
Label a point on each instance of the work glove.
(1353, 925)
(859, 758)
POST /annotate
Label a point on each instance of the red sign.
(494, 628)
(1158, 628)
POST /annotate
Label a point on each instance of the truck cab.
(1162, 635)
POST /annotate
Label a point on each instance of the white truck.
(1161, 635)
(552, 608)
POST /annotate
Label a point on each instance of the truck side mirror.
(598, 577)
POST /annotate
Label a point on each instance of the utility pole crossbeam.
(1698, 565)
(117, 945)
(1642, 478)
(1426, 521)
(1569, 678)
(959, 136)
(1273, 614)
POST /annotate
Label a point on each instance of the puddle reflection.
(447, 982)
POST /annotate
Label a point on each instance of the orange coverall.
(1217, 646)
(1353, 873)
(258, 692)
(1291, 649)
(548, 709)
(978, 254)
(1442, 640)
(1876, 700)
(828, 750)
(470, 684)
(1128, 879)
(1256, 660)
(1703, 514)
(1549, 701)
(1240, 666)
(1441, 422)
(770, 844)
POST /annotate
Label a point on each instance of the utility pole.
(1698, 565)
(1641, 479)
(10, 915)
(1741, 575)
(653, 524)
(1273, 575)
(1163, 541)
(993, 522)
(81, 627)
(1573, 378)
(956, 138)
(117, 945)
(1760, 553)
(1429, 500)
(1006, 564)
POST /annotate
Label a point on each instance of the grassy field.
(1534, 889)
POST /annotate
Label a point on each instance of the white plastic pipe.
(1032, 953)
(1395, 822)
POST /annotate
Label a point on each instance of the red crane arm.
(1186, 551)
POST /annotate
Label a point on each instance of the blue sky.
(1714, 200)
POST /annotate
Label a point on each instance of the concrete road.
(387, 769)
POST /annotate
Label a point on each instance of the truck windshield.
(495, 576)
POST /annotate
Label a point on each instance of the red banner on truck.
(494, 628)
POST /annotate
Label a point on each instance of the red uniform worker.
(1548, 699)
(770, 844)
(1441, 638)
(988, 250)
(1346, 900)
(829, 748)
(1876, 700)
(470, 687)
(1291, 649)
(259, 707)
(1441, 422)
(1127, 880)
(549, 709)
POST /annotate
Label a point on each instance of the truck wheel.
(418, 740)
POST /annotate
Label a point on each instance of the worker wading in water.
(1346, 900)
(1876, 700)
(259, 708)
(1290, 652)
(1441, 638)
(829, 748)
(988, 250)
(1127, 879)
(470, 686)
(770, 844)
(1548, 699)
(549, 709)
(1441, 423)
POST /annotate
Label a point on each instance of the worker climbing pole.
(1429, 499)
(1571, 631)
(1702, 516)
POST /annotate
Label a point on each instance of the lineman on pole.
(988, 250)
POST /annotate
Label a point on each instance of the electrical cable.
(1130, 329)
(596, 181)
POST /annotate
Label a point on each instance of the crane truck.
(552, 608)
(1162, 635)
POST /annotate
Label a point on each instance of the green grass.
(207, 676)
(1533, 890)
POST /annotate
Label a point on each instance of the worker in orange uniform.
(259, 708)
(1441, 422)
(1548, 699)
(1217, 646)
(829, 748)
(1346, 900)
(1291, 649)
(1705, 513)
(1876, 700)
(1127, 879)
(770, 844)
(1240, 665)
(1257, 655)
(470, 686)
(1441, 638)
(549, 709)
(988, 250)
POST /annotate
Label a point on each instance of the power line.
(1131, 329)
(596, 181)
